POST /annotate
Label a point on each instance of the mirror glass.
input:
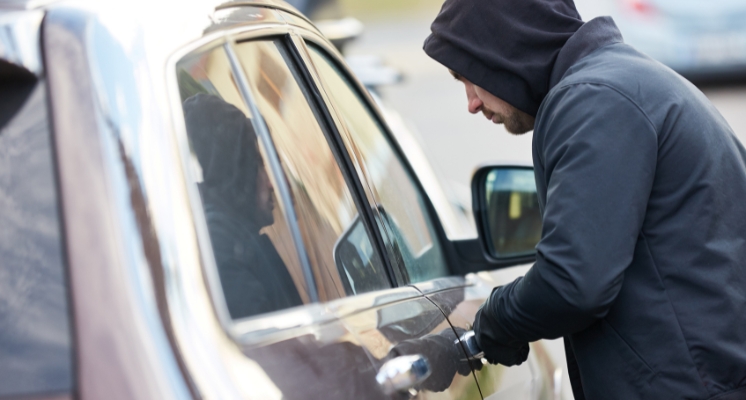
(512, 215)
(357, 262)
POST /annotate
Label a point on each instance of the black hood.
(507, 47)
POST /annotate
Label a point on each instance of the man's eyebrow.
(454, 74)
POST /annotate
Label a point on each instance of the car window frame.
(257, 328)
(450, 256)
(334, 141)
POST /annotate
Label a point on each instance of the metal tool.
(469, 341)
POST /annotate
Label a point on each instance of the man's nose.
(265, 181)
(475, 105)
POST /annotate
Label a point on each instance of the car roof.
(146, 8)
(167, 24)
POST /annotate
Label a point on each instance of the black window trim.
(334, 140)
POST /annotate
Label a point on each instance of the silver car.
(200, 201)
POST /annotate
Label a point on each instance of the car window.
(35, 335)
(340, 251)
(255, 255)
(254, 252)
(399, 203)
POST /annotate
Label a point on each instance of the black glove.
(495, 351)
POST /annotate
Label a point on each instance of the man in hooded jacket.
(238, 199)
(642, 261)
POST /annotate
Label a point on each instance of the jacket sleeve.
(598, 151)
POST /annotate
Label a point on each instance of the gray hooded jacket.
(642, 261)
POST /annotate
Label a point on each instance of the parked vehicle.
(201, 201)
(700, 40)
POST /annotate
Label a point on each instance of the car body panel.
(102, 219)
(46, 396)
(417, 326)
(341, 368)
(460, 299)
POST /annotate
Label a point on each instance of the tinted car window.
(254, 252)
(400, 205)
(339, 248)
(35, 342)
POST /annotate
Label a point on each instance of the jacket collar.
(594, 34)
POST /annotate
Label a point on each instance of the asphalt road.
(456, 142)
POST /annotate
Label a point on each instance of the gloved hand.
(444, 354)
(495, 351)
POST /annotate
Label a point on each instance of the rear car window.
(35, 339)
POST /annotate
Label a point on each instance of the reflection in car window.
(254, 252)
(35, 343)
(340, 251)
(398, 200)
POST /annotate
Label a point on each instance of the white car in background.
(702, 40)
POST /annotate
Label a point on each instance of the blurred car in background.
(202, 201)
(701, 40)
(318, 9)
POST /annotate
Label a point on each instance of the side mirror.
(506, 210)
(356, 261)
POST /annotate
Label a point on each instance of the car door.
(460, 299)
(413, 236)
(266, 281)
(305, 289)
(392, 325)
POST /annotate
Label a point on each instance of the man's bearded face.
(494, 108)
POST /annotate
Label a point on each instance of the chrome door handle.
(473, 351)
(403, 373)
